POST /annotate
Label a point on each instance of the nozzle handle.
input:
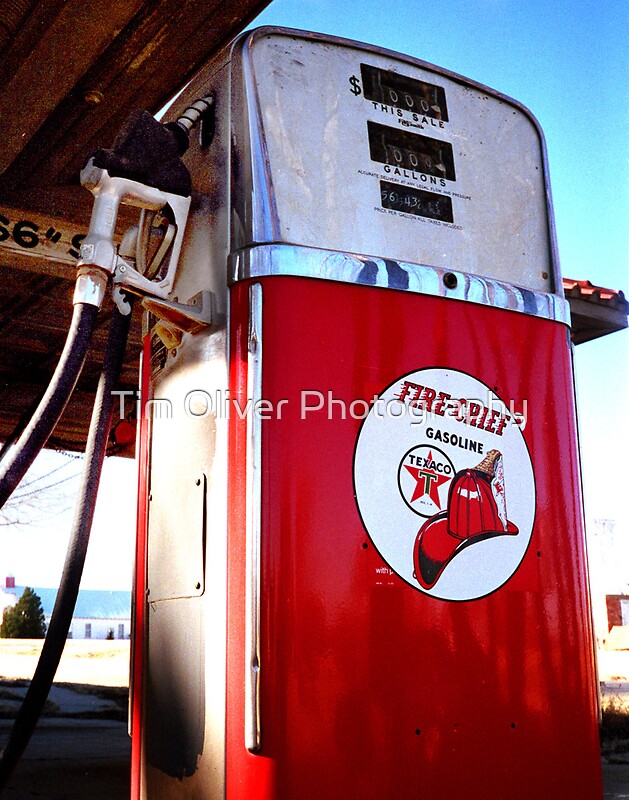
(98, 248)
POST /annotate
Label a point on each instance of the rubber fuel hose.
(61, 619)
(16, 462)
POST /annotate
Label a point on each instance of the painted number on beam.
(52, 241)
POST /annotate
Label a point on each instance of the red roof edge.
(585, 290)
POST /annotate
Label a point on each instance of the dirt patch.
(98, 662)
(614, 728)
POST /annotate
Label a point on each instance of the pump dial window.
(412, 151)
(398, 91)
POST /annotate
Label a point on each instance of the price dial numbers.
(416, 201)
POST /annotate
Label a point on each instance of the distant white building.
(8, 597)
(99, 613)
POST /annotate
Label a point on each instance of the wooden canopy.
(70, 72)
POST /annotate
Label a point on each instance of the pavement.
(615, 781)
(69, 759)
(82, 750)
(79, 750)
(79, 759)
(68, 700)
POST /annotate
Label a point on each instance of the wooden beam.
(591, 320)
(65, 51)
(48, 243)
(39, 242)
(143, 67)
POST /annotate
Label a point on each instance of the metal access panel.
(373, 449)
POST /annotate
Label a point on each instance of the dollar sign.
(355, 85)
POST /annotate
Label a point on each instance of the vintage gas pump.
(361, 566)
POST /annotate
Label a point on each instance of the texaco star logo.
(424, 476)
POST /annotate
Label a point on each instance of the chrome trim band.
(253, 525)
(285, 259)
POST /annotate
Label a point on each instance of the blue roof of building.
(90, 604)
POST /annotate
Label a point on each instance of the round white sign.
(444, 484)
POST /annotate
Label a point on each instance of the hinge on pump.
(198, 313)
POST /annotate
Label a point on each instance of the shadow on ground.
(81, 748)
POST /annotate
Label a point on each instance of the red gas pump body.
(365, 571)
(371, 688)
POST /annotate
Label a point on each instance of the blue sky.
(568, 62)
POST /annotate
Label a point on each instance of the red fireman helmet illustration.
(476, 511)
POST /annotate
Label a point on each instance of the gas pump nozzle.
(99, 258)
(142, 169)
